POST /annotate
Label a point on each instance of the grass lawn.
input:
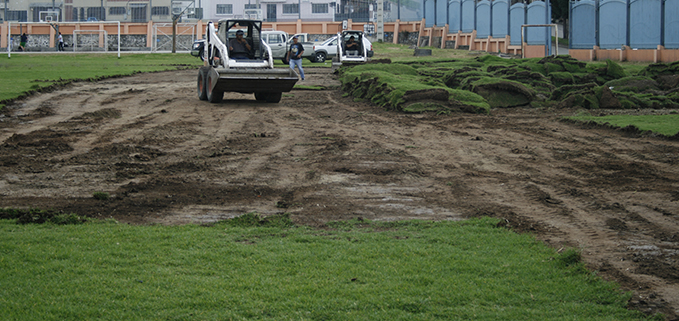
(667, 125)
(245, 269)
(24, 72)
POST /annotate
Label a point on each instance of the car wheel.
(260, 96)
(202, 89)
(320, 57)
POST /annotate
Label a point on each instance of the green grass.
(251, 268)
(402, 53)
(667, 125)
(25, 72)
(308, 87)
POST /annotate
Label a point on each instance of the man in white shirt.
(61, 42)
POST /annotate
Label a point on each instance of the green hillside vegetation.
(268, 269)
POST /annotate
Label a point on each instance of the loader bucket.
(250, 80)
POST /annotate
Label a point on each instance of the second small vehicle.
(328, 48)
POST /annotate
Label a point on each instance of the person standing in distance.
(295, 55)
(22, 43)
(61, 42)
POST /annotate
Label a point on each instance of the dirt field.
(165, 157)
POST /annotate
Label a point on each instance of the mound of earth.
(545, 82)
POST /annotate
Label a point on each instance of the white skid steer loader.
(357, 55)
(244, 72)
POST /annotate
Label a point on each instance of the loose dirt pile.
(165, 157)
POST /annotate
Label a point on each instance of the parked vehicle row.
(279, 42)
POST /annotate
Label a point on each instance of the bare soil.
(166, 157)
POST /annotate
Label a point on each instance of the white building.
(269, 10)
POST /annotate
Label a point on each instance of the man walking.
(61, 42)
(295, 55)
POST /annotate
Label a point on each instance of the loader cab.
(252, 33)
(360, 55)
(357, 38)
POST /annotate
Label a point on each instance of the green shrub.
(38, 216)
(67, 219)
(102, 196)
(500, 92)
(569, 257)
(633, 84)
(552, 67)
(614, 70)
(253, 219)
(562, 78)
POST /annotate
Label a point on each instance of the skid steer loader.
(344, 56)
(250, 72)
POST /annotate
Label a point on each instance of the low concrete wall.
(627, 54)
(139, 36)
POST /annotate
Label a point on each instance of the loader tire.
(260, 96)
(202, 79)
(213, 96)
(273, 97)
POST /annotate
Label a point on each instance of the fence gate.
(162, 36)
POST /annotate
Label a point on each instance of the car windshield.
(330, 41)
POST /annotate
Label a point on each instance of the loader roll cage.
(343, 55)
(217, 44)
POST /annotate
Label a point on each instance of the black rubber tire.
(273, 97)
(213, 96)
(320, 57)
(260, 96)
(202, 79)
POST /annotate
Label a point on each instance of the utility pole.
(175, 18)
(174, 32)
(380, 20)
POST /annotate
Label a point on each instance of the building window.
(17, 15)
(96, 12)
(224, 9)
(291, 8)
(319, 8)
(251, 6)
(117, 11)
(160, 11)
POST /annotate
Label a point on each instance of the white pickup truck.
(280, 41)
